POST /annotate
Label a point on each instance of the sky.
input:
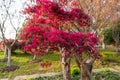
(15, 9)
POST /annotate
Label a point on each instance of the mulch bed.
(9, 68)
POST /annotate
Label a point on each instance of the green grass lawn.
(30, 68)
(21, 59)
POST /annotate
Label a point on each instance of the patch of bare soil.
(35, 61)
(9, 68)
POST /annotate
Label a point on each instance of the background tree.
(115, 22)
(108, 39)
(102, 13)
(9, 19)
(116, 37)
(116, 26)
(112, 36)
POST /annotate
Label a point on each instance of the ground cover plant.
(102, 75)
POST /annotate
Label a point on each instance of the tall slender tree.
(8, 20)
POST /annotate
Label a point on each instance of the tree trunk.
(34, 58)
(103, 45)
(117, 49)
(86, 69)
(85, 66)
(9, 57)
(5, 54)
(65, 62)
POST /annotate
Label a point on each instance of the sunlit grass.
(21, 59)
(30, 68)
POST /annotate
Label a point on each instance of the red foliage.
(35, 38)
(43, 30)
(74, 42)
(56, 14)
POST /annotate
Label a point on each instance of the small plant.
(45, 64)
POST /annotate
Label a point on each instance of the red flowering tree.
(82, 45)
(47, 26)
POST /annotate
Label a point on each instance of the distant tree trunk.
(9, 56)
(34, 58)
(5, 53)
(65, 62)
(116, 37)
(103, 45)
(117, 49)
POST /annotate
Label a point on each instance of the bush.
(75, 72)
(108, 39)
(110, 34)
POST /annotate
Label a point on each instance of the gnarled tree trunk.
(85, 66)
(65, 62)
(86, 71)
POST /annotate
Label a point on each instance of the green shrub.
(108, 39)
(75, 72)
(112, 33)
